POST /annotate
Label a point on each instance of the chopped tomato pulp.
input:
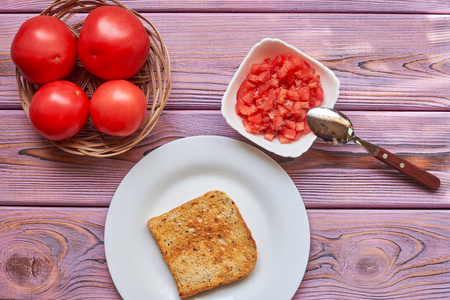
(276, 95)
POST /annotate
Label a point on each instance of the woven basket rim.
(153, 79)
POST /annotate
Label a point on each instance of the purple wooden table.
(374, 233)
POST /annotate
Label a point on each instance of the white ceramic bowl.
(270, 48)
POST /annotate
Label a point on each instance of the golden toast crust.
(205, 242)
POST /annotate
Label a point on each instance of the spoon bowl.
(330, 125)
(336, 128)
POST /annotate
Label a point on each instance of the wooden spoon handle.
(407, 168)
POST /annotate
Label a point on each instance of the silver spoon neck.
(369, 147)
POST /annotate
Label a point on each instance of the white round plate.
(183, 170)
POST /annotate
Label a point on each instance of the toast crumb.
(205, 243)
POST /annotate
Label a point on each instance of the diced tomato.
(266, 119)
(305, 104)
(261, 78)
(282, 94)
(250, 127)
(298, 135)
(318, 94)
(267, 101)
(256, 118)
(302, 115)
(247, 110)
(290, 124)
(288, 104)
(293, 95)
(316, 97)
(296, 108)
(305, 74)
(299, 126)
(309, 73)
(264, 104)
(269, 136)
(289, 133)
(286, 56)
(281, 73)
(272, 95)
(314, 102)
(274, 82)
(272, 114)
(278, 122)
(290, 80)
(264, 76)
(299, 63)
(252, 77)
(284, 140)
(277, 61)
(268, 127)
(262, 89)
(298, 83)
(258, 68)
(245, 87)
(304, 93)
(276, 95)
(319, 102)
(288, 65)
(314, 81)
(248, 98)
(282, 110)
(306, 128)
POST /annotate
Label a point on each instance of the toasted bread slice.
(205, 242)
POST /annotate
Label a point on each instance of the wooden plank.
(50, 253)
(35, 173)
(378, 254)
(405, 6)
(383, 61)
(53, 254)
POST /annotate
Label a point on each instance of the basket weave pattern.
(153, 79)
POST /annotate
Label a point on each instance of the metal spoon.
(334, 127)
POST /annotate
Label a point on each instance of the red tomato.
(118, 107)
(113, 43)
(44, 49)
(275, 97)
(59, 109)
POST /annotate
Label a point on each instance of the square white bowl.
(269, 48)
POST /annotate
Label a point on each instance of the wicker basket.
(153, 79)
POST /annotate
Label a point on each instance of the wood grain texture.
(383, 61)
(55, 253)
(375, 233)
(359, 6)
(58, 253)
(378, 254)
(35, 173)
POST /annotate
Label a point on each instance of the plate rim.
(302, 209)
